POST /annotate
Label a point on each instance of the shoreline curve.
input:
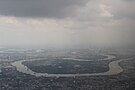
(114, 68)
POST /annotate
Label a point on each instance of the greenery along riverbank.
(60, 66)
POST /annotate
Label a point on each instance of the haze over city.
(67, 44)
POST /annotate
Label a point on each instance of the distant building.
(7, 67)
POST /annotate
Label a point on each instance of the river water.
(114, 68)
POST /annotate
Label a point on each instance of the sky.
(62, 23)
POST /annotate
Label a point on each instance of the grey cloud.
(128, 0)
(39, 8)
(123, 9)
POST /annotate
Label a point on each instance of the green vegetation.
(59, 66)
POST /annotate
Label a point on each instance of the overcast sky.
(63, 23)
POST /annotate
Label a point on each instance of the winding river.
(114, 68)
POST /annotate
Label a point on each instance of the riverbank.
(114, 69)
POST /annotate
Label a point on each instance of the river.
(114, 68)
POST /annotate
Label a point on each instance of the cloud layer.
(67, 22)
(39, 8)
